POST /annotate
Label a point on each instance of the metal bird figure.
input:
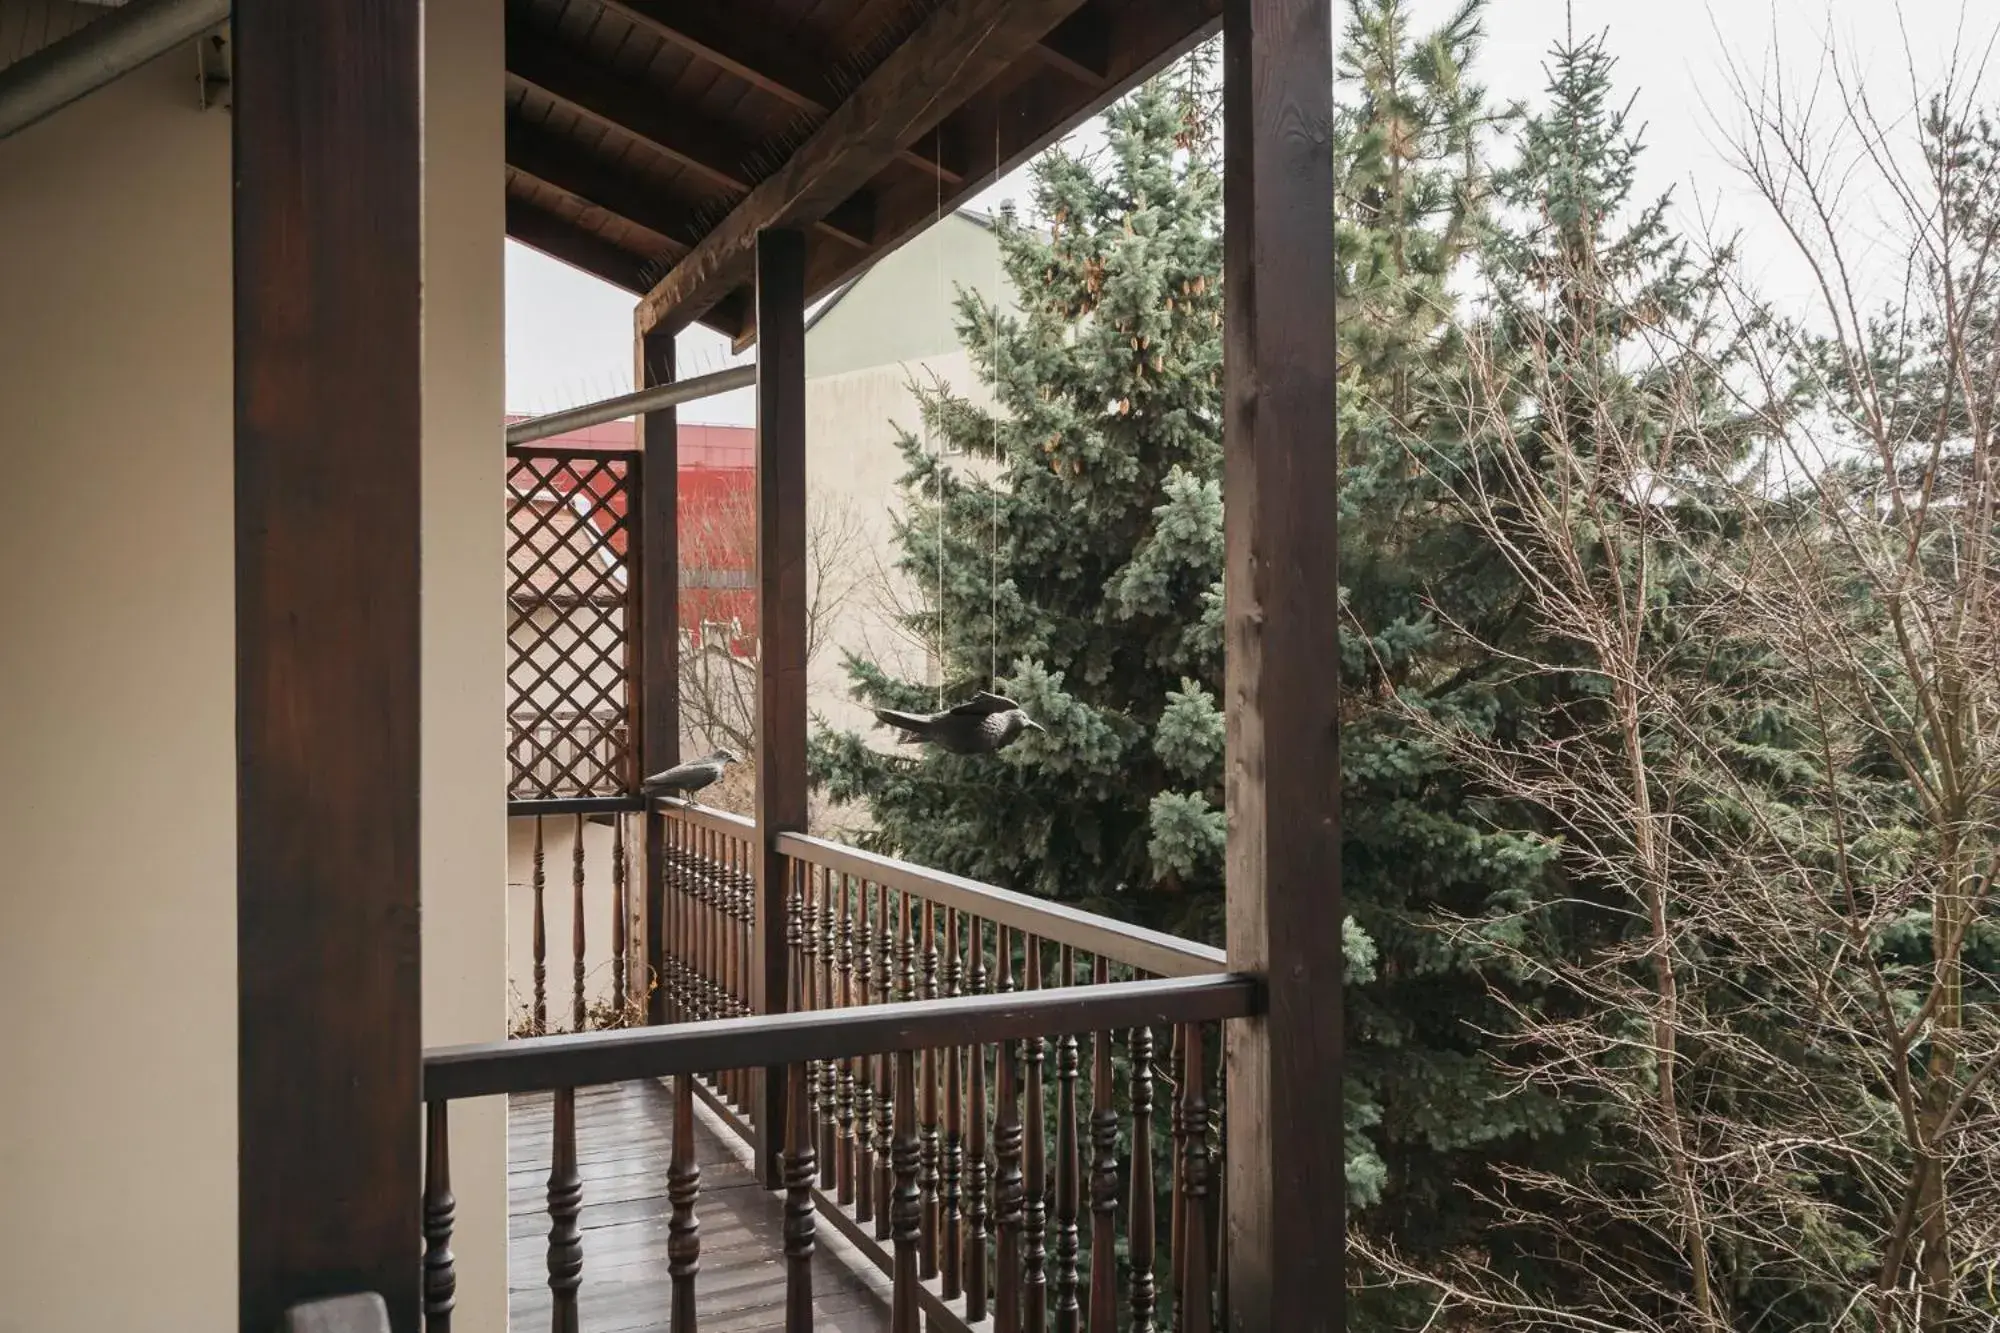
(687, 779)
(981, 725)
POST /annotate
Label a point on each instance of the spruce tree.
(1080, 562)
(1422, 846)
(1085, 545)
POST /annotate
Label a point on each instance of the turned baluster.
(885, 1178)
(690, 941)
(906, 949)
(844, 1096)
(669, 899)
(1103, 1180)
(565, 1203)
(927, 1183)
(907, 1207)
(579, 1016)
(1145, 1291)
(1035, 1204)
(976, 1229)
(800, 1169)
(668, 870)
(1177, 1131)
(1192, 1303)
(829, 1072)
(1068, 1168)
(735, 957)
(1008, 1187)
(620, 943)
(1218, 1210)
(683, 1228)
(954, 1128)
(539, 880)
(719, 906)
(701, 874)
(736, 965)
(801, 978)
(440, 1211)
(802, 935)
(741, 927)
(744, 926)
(685, 923)
(864, 1080)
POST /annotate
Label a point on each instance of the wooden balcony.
(994, 1111)
(1007, 1108)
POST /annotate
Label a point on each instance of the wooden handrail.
(575, 805)
(1057, 923)
(707, 816)
(537, 1064)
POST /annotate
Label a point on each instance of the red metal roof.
(716, 508)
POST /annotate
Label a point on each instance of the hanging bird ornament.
(982, 724)
(687, 779)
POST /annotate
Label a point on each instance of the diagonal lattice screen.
(571, 599)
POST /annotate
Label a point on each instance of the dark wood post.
(1286, 1192)
(657, 637)
(781, 635)
(329, 419)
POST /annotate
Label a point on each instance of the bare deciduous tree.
(718, 660)
(1774, 765)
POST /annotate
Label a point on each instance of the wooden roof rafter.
(956, 52)
(709, 150)
(806, 83)
(535, 226)
(552, 160)
(649, 141)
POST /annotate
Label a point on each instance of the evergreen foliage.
(1540, 335)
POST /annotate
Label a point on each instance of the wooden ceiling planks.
(648, 139)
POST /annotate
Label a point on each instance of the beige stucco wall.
(893, 330)
(117, 715)
(117, 747)
(464, 781)
(852, 467)
(600, 917)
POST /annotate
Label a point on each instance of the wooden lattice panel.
(572, 597)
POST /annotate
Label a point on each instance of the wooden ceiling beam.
(1080, 47)
(607, 99)
(796, 79)
(1015, 119)
(956, 52)
(565, 167)
(544, 231)
(638, 112)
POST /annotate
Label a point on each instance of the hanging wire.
(937, 447)
(1000, 384)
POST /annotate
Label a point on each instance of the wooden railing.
(584, 873)
(1011, 1106)
(1003, 1194)
(998, 1274)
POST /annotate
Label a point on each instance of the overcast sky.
(569, 336)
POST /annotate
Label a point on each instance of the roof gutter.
(98, 53)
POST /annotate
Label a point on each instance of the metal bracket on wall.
(213, 68)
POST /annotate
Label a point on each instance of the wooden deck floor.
(623, 1138)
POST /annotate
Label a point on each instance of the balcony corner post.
(781, 638)
(657, 637)
(327, 256)
(1285, 1174)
